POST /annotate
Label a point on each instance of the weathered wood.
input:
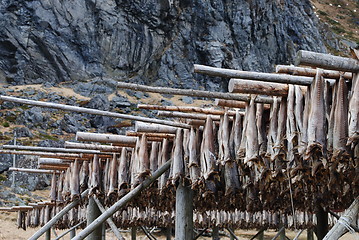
(93, 212)
(310, 234)
(133, 233)
(7, 209)
(72, 231)
(188, 115)
(52, 167)
(234, 104)
(22, 208)
(190, 92)
(322, 223)
(102, 148)
(215, 233)
(45, 154)
(236, 85)
(310, 72)
(53, 161)
(91, 111)
(279, 233)
(232, 234)
(109, 220)
(184, 212)
(29, 170)
(186, 109)
(57, 217)
(259, 76)
(106, 138)
(50, 149)
(349, 217)
(260, 234)
(298, 234)
(151, 135)
(145, 127)
(326, 61)
(123, 201)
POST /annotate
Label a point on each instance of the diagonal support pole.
(123, 201)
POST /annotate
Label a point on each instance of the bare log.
(123, 201)
(259, 76)
(326, 61)
(91, 111)
(44, 154)
(310, 72)
(52, 167)
(50, 149)
(102, 148)
(189, 92)
(22, 208)
(53, 161)
(256, 87)
(186, 109)
(145, 127)
(341, 227)
(150, 135)
(234, 104)
(106, 138)
(29, 170)
(187, 115)
(7, 209)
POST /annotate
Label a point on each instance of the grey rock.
(187, 100)
(23, 132)
(51, 143)
(99, 102)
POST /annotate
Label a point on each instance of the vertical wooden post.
(13, 164)
(93, 212)
(282, 234)
(72, 233)
(133, 233)
(168, 233)
(215, 233)
(184, 213)
(260, 235)
(322, 223)
(310, 234)
(103, 231)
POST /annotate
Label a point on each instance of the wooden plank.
(259, 76)
(30, 170)
(151, 135)
(102, 148)
(123, 201)
(106, 138)
(50, 149)
(53, 167)
(191, 92)
(184, 212)
(236, 85)
(53, 161)
(91, 111)
(187, 115)
(146, 127)
(311, 72)
(326, 61)
(234, 104)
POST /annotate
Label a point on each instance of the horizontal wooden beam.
(311, 72)
(237, 85)
(7, 209)
(102, 148)
(186, 109)
(44, 154)
(53, 167)
(91, 111)
(30, 170)
(151, 135)
(259, 76)
(53, 161)
(326, 61)
(191, 92)
(22, 208)
(234, 104)
(187, 115)
(145, 127)
(106, 138)
(52, 149)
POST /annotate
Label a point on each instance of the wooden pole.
(260, 234)
(45, 154)
(236, 85)
(106, 138)
(279, 234)
(187, 115)
(298, 234)
(341, 227)
(322, 223)
(102, 148)
(145, 127)
(91, 111)
(53, 161)
(168, 233)
(133, 233)
(58, 216)
(326, 61)
(186, 109)
(235, 104)
(310, 234)
(50, 149)
(72, 231)
(29, 170)
(109, 220)
(311, 72)
(259, 76)
(123, 201)
(184, 212)
(151, 135)
(232, 235)
(52, 167)
(191, 92)
(215, 233)
(93, 212)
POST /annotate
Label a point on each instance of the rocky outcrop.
(152, 42)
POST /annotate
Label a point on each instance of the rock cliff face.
(153, 42)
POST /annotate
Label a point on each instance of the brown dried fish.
(123, 172)
(236, 134)
(178, 163)
(193, 165)
(75, 180)
(354, 112)
(252, 147)
(208, 159)
(53, 190)
(95, 184)
(84, 176)
(154, 156)
(113, 175)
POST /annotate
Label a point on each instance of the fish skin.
(75, 181)
(144, 160)
(273, 126)
(252, 147)
(279, 147)
(303, 143)
(165, 156)
(178, 164)
(113, 176)
(236, 134)
(261, 129)
(332, 120)
(123, 170)
(353, 117)
(84, 176)
(193, 165)
(223, 140)
(208, 158)
(291, 129)
(154, 156)
(53, 188)
(95, 175)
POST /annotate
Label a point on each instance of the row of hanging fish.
(133, 216)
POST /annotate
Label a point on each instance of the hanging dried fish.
(252, 147)
(353, 117)
(113, 174)
(261, 127)
(53, 190)
(194, 168)
(142, 162)
(75, 180)
(178, 162)
(240, 154)
(291, 129)
(66, 192)
(165, 156)
(316, 149)
(154, 156)
(105, 169)
(84, 176)
(123, 173)
(95, 185)
(224, 153)
(236, 134)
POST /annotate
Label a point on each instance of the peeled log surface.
(106, 138)
(50, 149)
(326, 61)
(187, 92)
(53, 161)
(145, 127)
(29, 170)
(52, 167)
(256, 87)
(187, 115)
(103, 148)
(44, 154)
(149, 135)
(259, 76)
(234, 104)
(310, 72)
(186, 109)
(91, 111)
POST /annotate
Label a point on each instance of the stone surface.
(86, 43)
